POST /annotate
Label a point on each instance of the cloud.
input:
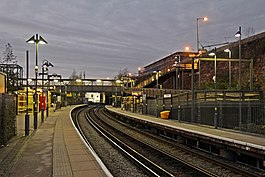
(103, 36)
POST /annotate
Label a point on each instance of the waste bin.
(164, 114)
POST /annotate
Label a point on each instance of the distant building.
(165, 67)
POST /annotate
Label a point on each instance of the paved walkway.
(54, 149)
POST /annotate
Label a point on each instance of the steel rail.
(208, 159)
(150, 167)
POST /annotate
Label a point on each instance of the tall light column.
(238, 34)
(177, 62)
(36, 39)
(27, 93)
(197, 30)
(215, 89)
(229, 65)
(45, 65)
(157, 76)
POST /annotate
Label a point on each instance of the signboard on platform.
(2, 83)
(167, 95)
(144, 97)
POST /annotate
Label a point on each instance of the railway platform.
(54, 149)
(229, 142)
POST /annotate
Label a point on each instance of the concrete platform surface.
(54, 149)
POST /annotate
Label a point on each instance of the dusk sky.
(102, 37)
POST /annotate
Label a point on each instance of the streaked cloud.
(101, 37)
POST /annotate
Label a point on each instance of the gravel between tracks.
(118, 165)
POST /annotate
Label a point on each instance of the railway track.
(150, 168)
(116, 162)
(212, 165)
(158, 156)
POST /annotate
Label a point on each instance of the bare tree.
(9, 56)
(122, 73)
(73, 78)
(249, 31)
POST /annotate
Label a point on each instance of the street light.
(177, 58)
(27, 93)
(197, 27)
(229, 64)
(36, 39)
(157, 76)
(215, 89)
(45, 65)
(57, 75)
(238, 34)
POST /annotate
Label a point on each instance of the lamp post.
(215, 89)
(238, 34)
(157, 76)
(177, 58)
(58, 75)
(36, 39)
(229, 64)
(197, 29)
(27, 94)
(45, 65)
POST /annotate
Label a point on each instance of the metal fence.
(223, 109)
(7, 117)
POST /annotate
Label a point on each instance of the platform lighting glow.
(36, 39)
(78, 80)
(238, 34)
(212, 54)
(227, 50)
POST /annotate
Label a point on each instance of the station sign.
(167, 95)
(144, 97)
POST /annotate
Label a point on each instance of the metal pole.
(197, 33)
(42, 95)
(157, 83)
(229, 67)
(239, 56)
(182, 80)
(251, 75)
(199, 62)
(36, 85)
(215, 93)
(192, 89)
(27, 95)
(177, 61)
(60, 91)
(177, 77)
(230, 75)
(47, 104)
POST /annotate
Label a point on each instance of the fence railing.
(222, 109)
